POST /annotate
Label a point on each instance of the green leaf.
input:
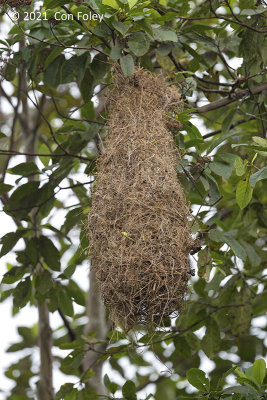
(258, 176)
(24, 169)
(50, 253)
(241, 320)
(165, 34)
(216, 235)
(86, 86)
(120, 27)
(211, 340)
(139, 43)
(260, 141)
(32, 250)
(132, 3)
(64, 389)
(235, 246)
(13, 275)
(69, 271)
(52, 73)
(164, 49)
(259, 370)
(127, 65)
(219, 140)
(44, 282)
(129, 390)
(8, 241)
(10, 72)
(65, 302)
(243, 193)
(4, 188)
(116, 50)
(253, 257)
(239, 166)
(111, 386)
(221, 169)
(198, 379)
(23, 199)
(22, 293)
(227, 121)
(221, 381)
(111, 3)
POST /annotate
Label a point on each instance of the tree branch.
(237, 95)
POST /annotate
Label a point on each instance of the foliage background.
(55, 75)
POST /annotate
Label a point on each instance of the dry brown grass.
(138, 224)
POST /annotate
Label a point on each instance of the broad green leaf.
(235, 246)
(63, 391)
(52, 74)
(10, 72)
(23, 199)
(139, 43)
(120, 27)
(50, 253)
(241, 319)
(198, 379)
(211, 340)
(260, 141)
(24, 169)
(246, 390)
(44, 282)
(165, 34)
(240, 167)
(221, 169)
(253, 257)
(243, 193)
(216, 235)
(65, 302)
(127, 65)
(13, 275)
(22, 293)
(129, 390)
(116, 50)
(32, 250)
(258, 176)
(259, 370)
(8, 241)
(4, 188)
(164, 49)
(132, 3)
(111, 3)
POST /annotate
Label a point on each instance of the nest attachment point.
(138, 225)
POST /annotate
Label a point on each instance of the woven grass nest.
(16, 3)
(138, 225)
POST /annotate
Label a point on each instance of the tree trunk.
(45, 385)
(97, 323)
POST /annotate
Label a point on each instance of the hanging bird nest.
(16, 3)
(138, 225)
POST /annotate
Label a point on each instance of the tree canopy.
(56, 66)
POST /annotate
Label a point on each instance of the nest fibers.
(138, 224)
